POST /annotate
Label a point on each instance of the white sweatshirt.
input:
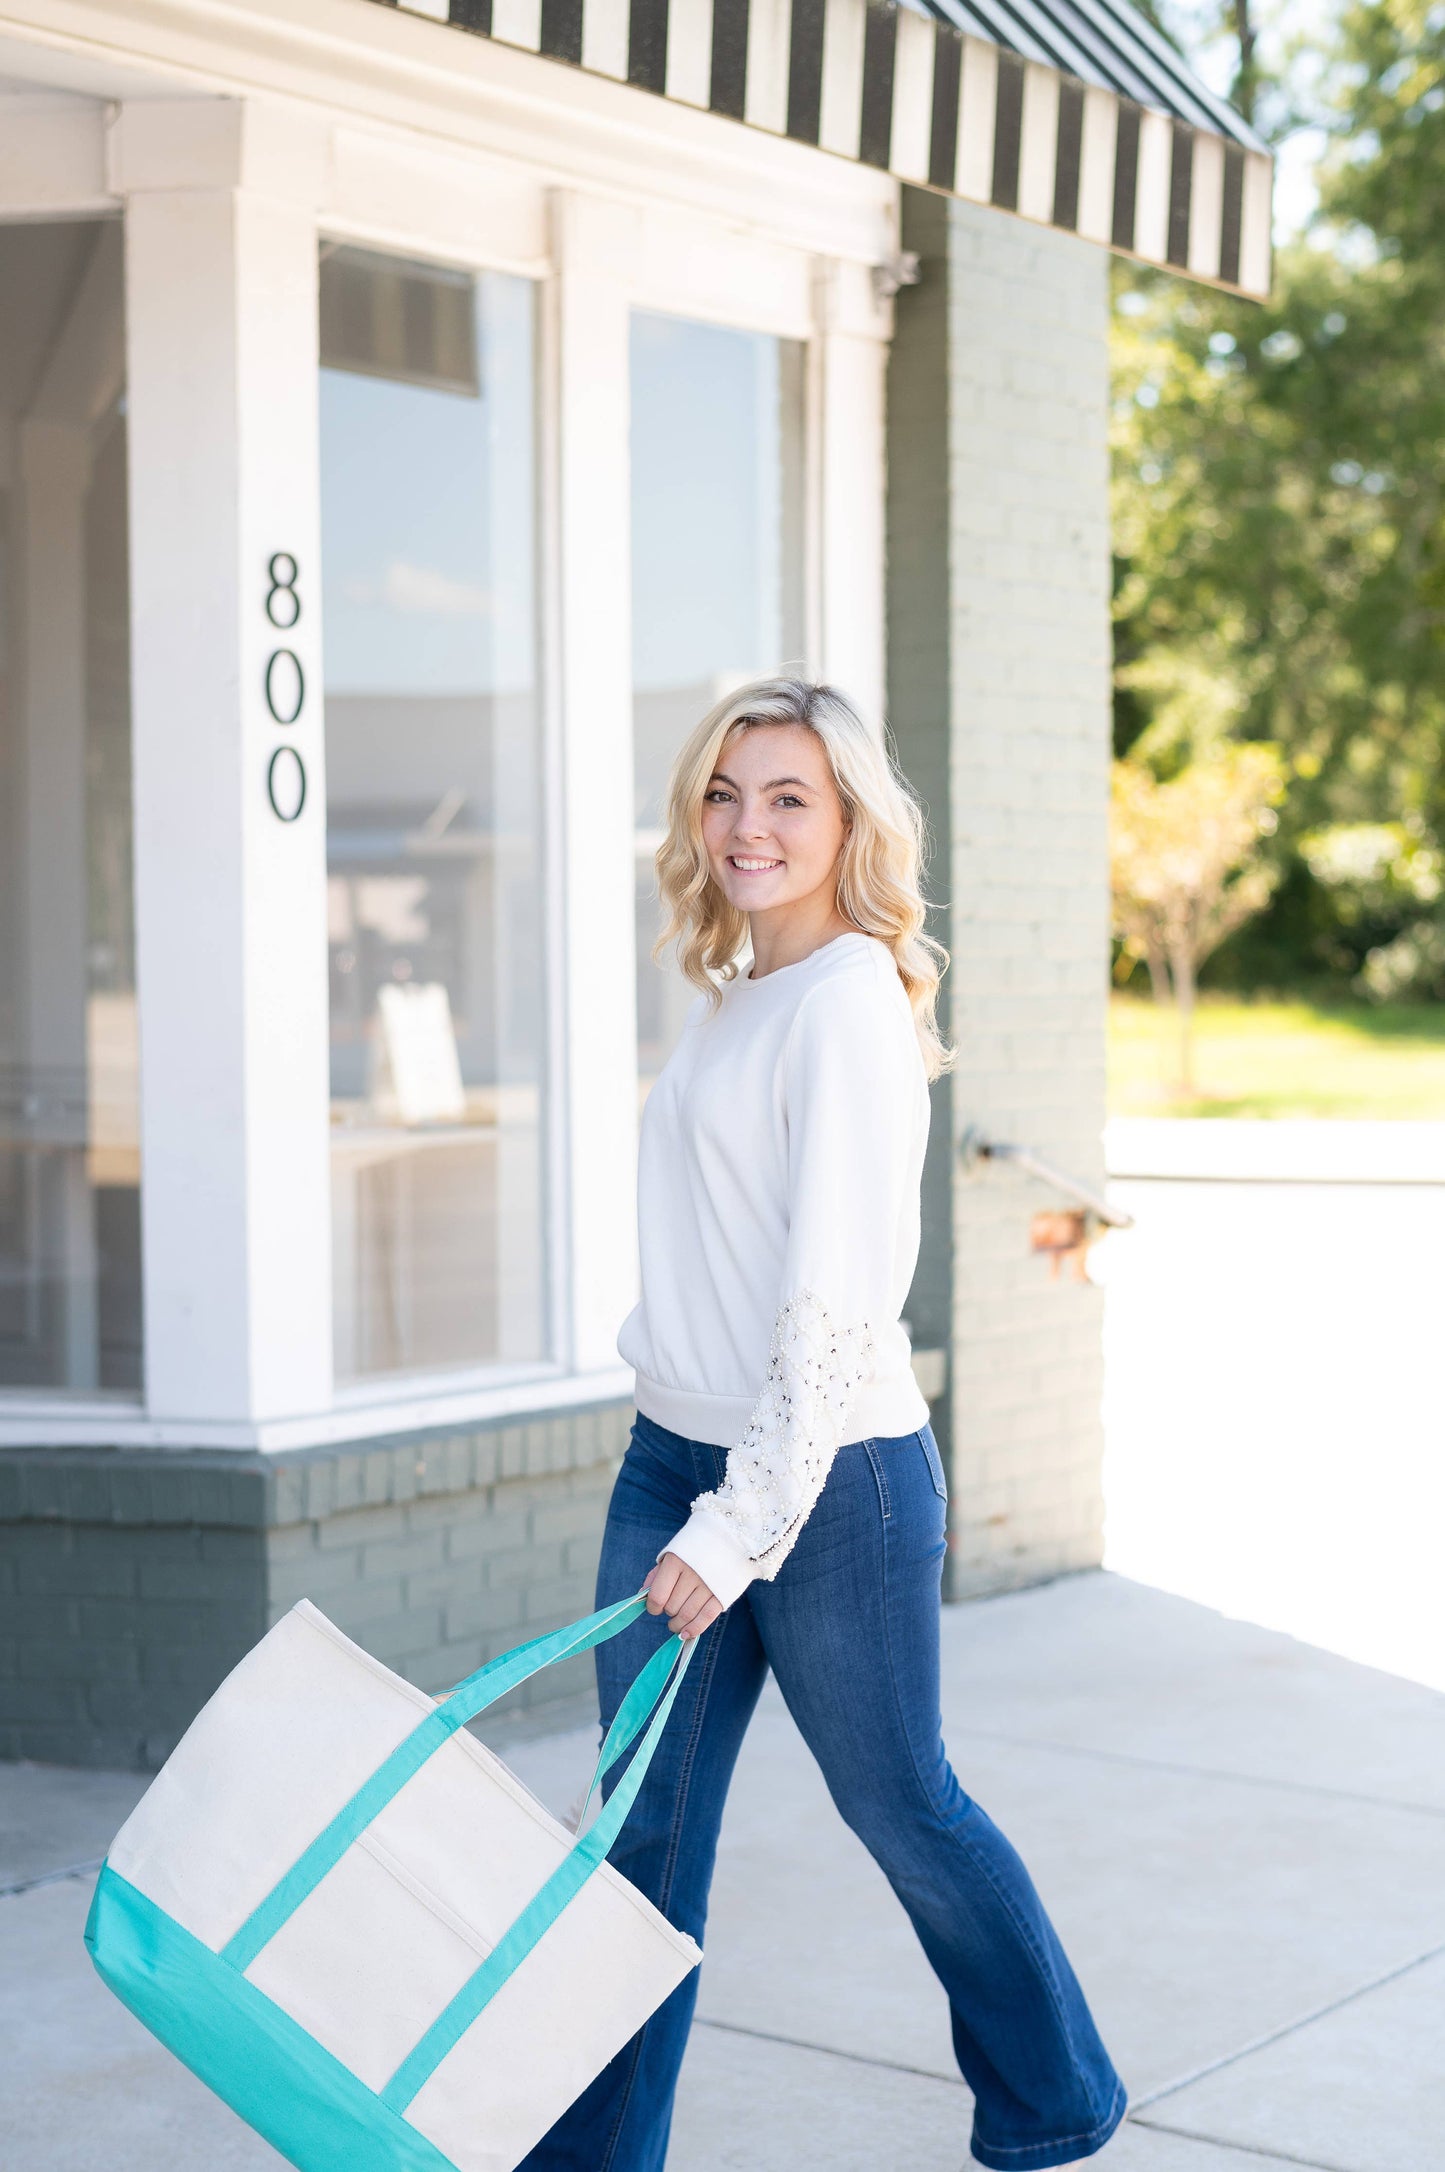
(778, 1208)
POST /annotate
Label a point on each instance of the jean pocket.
(934, 1461)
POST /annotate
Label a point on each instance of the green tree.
(1280, 493)
(1186, 869)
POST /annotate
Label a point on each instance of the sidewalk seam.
(831, 2051)
(50, 1877)
(1288, 2028)
(1201, 1772)
(1244, 2149)
(956, 2081)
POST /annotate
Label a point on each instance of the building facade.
(407, 427)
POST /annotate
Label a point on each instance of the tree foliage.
(1185, 865)
(1279, 512)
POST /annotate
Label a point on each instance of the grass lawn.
(1265, 1058)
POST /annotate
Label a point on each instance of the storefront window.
(70, 1274)
(433, 814)
(717, 570)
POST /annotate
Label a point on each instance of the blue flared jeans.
(850, 1627)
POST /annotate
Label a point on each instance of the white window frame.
(705, 239)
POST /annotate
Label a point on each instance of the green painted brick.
(576, 1517)
(581, 1555)
(99, 1573)
(292, 1542)
(552, 1600)
(315, 1576)
(25, 1617)
(77, 1660)
(194, 1664)
(490, 1532)
(363, 1526)
(524, 1565)
(43, 1699)
(213, 1583)
(356, 1608)
(452, 1580)
(403, 1635)
(479, 1613)
(441, 1511)
(402, 1556)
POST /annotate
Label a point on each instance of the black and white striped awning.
(1074, 113)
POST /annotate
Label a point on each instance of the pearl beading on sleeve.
(779, 1467)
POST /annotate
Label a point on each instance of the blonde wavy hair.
(880, 868)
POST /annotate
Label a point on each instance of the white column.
(230, 899)
(849, 404)
(590, 356)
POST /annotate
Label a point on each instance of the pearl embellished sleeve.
(852, 1077)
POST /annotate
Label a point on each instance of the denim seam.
(941, 1491)
(881, 1479)
(1102, 2130)
(1025, 1932)
(707, 1670)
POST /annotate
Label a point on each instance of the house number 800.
(285, 689)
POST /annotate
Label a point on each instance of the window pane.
(70, 1282)
(433, 815)
(717, 570)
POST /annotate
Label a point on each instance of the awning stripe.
(943, 133)
(1068, 155)
(1073, 113)
(805, 70)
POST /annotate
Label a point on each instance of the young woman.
(782, 1495)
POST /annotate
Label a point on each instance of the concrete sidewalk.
(1240, 1838)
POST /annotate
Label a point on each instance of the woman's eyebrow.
(721, 777)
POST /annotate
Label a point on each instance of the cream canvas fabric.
(372, 1956)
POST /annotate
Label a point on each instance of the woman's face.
(772, 821)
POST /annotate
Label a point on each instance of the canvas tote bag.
(360, 1928)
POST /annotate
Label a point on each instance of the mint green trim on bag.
(263, 2064)
(248, 2050)
(465, 1702)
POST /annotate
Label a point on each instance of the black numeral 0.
(292, 682)
(286, 784)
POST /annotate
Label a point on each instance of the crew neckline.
(849, 935)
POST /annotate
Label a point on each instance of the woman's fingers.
(691, 1621)
(679, 1592)
(662, 1581)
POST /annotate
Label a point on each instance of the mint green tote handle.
(566, 1881)
(464, 1703)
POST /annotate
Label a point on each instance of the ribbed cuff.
(708, 1546)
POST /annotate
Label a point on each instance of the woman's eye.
(790, 799)
(717, 793)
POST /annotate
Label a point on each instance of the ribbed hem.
(883, 1410)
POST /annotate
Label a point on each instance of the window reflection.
(717, 571)
(70, 1262)
(432, 755)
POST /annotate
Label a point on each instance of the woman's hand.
(679, 1592)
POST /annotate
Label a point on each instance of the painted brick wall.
(130, 1583)
(1023, 446)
